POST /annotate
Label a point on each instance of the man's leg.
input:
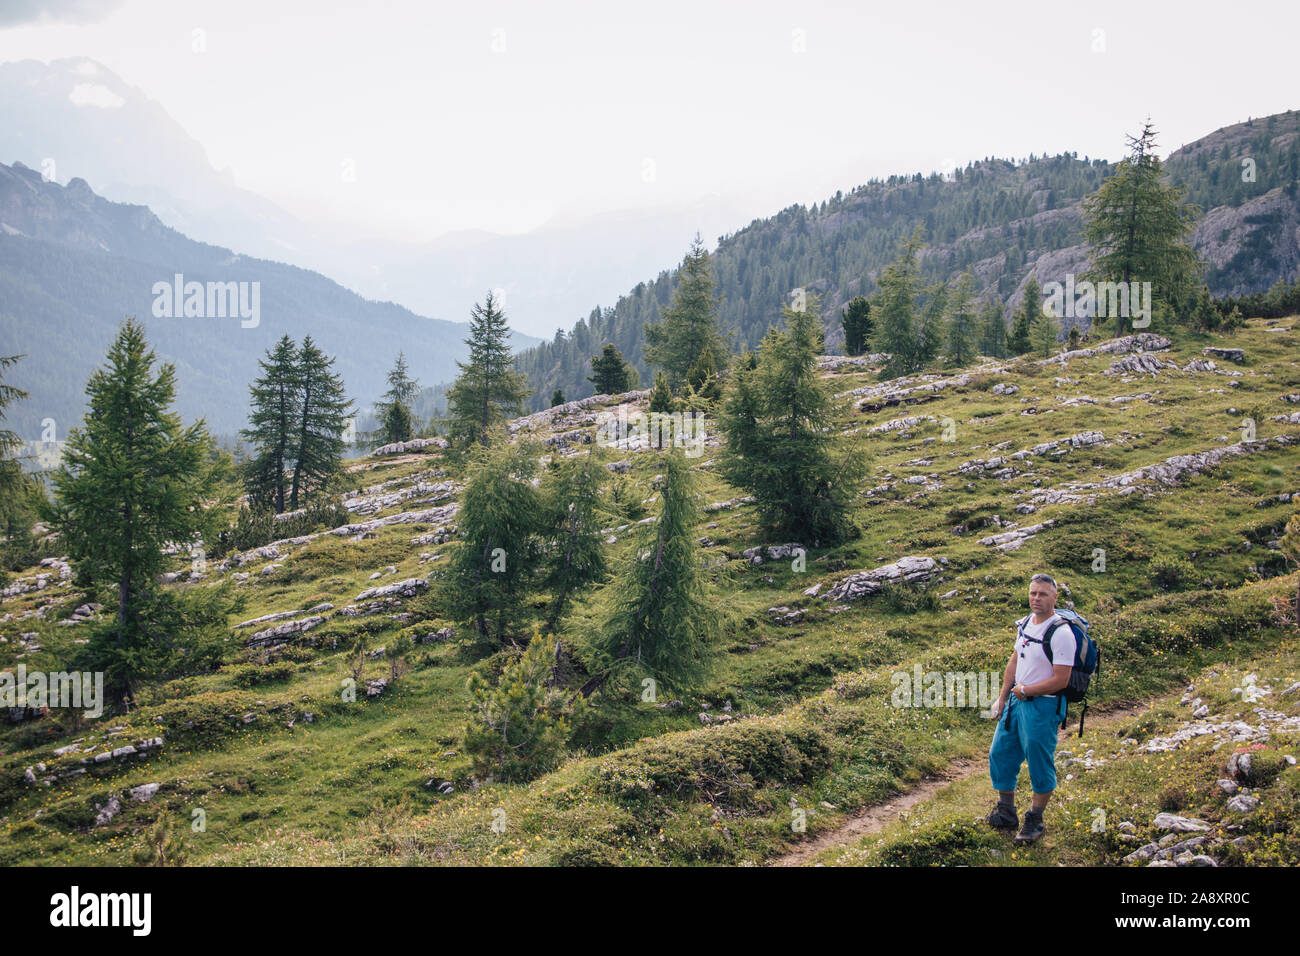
(1005, 757)
(1040, 752)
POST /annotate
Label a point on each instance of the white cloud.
(95, 94)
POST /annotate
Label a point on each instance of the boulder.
(282, 632)
(1171, 821)
(145, 792)
(865, 583)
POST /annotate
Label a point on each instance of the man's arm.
(1059, 679)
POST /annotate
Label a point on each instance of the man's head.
(1042, 595)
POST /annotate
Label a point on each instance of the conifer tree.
(659, 617)
(518, 726)
(396, 424)
(1020, 342)
(395, 409)
(689, 325)
(897, 329)
(571, 516)
(1044, 327)
(557, 397)
(858, 327)
(272, 425)
(703, 377)
(1137, 230)
(930, 329)
(133, 478)
(961, 321)
(488, 388)
(322, 418)
(609, 372)
(494, 569)
(993, 330)
(9, 440)
(17, 491)
(661, 403)
(780, 446)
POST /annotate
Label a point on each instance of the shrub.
(1169, 571)
(254, 528)
(723, 765)
(908, 598)
(942, 844)
(204, 719)
(254, 675)
(519, 725)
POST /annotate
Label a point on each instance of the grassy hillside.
(797, 716)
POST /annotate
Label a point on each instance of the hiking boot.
(1033, 828)
(1003, 817)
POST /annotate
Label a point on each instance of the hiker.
(1034, 708)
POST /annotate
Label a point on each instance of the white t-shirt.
(1032, 664)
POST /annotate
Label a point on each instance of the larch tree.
(395, 410)
(609, 372)
(322, 418)
(961, 321)
(11, 473)
(572, 513)
(993, 330)
(275, 401)
(858, 327)
(1137, 229)
(690, 323)
(487, 388)
(133, 479)
(658, 617)
(1020, 340)
(494, 570)
(780, 444)
(897, 332)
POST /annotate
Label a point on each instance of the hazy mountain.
(72, 264)
(92, 125)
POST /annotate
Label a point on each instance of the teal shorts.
(1027, 732)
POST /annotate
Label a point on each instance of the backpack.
(1087, 657)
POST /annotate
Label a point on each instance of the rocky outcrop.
(1168, 473)
(773, 552)
(421, 492)
(282, 632)
(1139, 342)
(1138, 364)
(406, 447)
(1013, 539)
(408, 588)
(866, 583)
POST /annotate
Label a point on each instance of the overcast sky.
(501, 115)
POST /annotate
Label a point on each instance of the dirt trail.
(873, 819)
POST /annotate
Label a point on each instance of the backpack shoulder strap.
(1046, 639)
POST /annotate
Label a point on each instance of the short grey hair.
(1045, 578)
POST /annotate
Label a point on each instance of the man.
(1034, 709)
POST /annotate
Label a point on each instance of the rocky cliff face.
(1249, 247)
